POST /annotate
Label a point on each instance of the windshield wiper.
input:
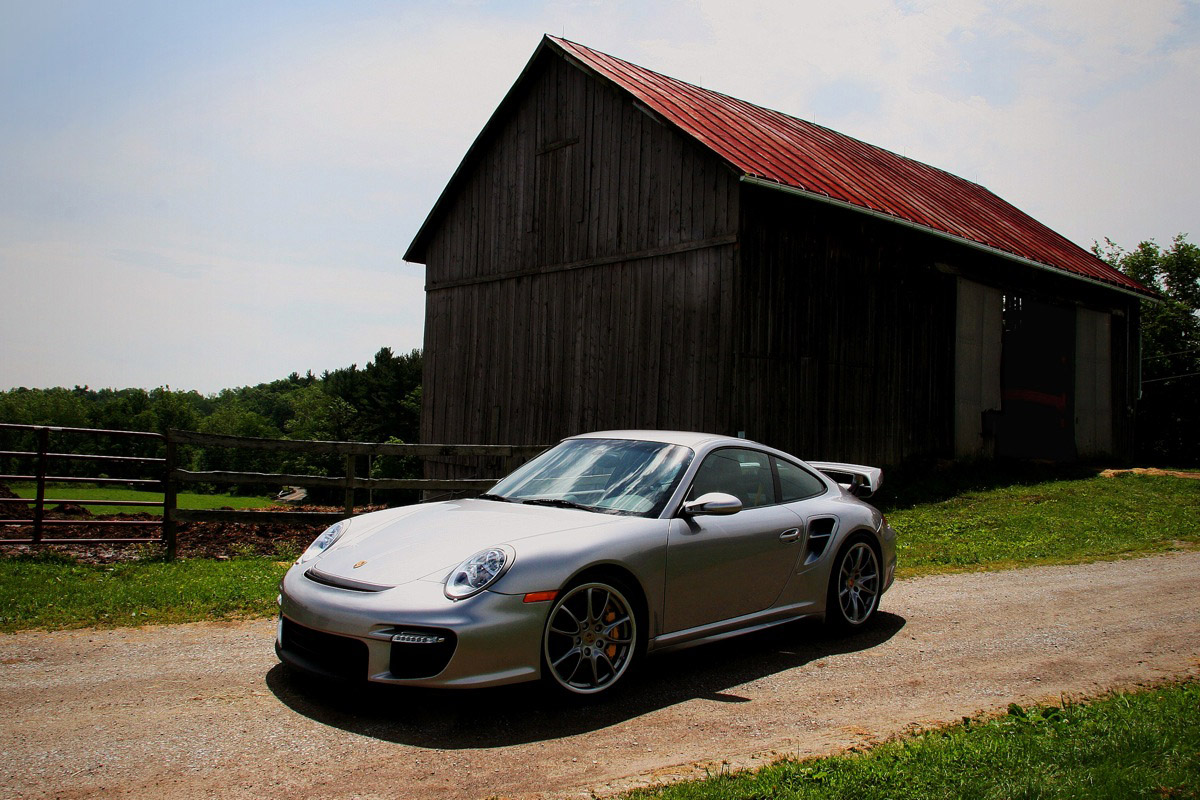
(489, 496)
(557, 502)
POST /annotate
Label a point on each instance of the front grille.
(314, 574)
(325, 652)
(422, 659)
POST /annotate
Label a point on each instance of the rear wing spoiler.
(859, 480)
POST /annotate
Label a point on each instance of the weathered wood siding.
(581, 275)
(590, 269)
(847, 344)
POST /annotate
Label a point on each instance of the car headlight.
(324, 541)
(479, 572)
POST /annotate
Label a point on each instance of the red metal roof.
(771, 148)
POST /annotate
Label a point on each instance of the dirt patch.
(68, 510)
(205, 710)
(1112, 473)
(218, 540)
(13, 510)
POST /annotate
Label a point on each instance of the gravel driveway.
(204, 710)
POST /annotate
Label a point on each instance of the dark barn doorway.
(1037, 381)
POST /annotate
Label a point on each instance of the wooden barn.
(619, 249)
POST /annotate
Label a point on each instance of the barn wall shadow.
(450, 719)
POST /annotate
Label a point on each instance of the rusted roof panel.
(774, 148)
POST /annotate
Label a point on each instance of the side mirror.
(717, 503)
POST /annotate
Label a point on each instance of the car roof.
(686, 438)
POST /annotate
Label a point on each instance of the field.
(188, 500)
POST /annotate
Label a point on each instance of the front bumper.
(493, 638)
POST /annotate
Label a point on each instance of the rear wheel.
(854, 585)
(591, 637)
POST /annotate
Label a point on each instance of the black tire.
(593, 636)
(854, 585)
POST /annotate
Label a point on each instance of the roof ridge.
(740, 101)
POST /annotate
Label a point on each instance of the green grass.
(1049, 522)
(51, 591)
(1144, 744)
(187, 500)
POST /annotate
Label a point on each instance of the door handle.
(790, 535)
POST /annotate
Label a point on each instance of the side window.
(797, 483)
(745, 474)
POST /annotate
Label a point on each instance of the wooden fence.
(165, 474)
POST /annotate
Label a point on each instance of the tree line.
(381, 402)
(1168, 413)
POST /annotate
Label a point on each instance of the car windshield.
(615, 476)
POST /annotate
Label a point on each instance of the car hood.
(392, 547)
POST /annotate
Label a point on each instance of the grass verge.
(51, 591)
(1143, 744)
(189, 500)
(1050, 522)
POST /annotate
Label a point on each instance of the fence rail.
(169, 477)
(353, 448)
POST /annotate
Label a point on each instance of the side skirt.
(715, 631)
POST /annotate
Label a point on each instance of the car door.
(807, 496)
(720, 567)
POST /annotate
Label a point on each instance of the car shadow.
(529, 712)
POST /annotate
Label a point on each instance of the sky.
(207, 194)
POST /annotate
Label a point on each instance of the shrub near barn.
(1168, 414)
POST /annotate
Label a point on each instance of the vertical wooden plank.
(679, 230)
(349, 504)
(587, 146)
(39, 497)
(170, 527)
(618, 168)
(628, 164)
(687, 201)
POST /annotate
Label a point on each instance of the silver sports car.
(604, 548)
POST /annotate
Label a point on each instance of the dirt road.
(204, 710)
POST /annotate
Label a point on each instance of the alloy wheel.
(858, 583)
(591, 637)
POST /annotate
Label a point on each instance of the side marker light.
(540, 597)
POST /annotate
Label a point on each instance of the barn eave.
(752, 180)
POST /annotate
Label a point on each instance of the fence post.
(39, 508)
(350, 485)
(169, 525)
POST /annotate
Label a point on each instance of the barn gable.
(580, 235)
(620, 249)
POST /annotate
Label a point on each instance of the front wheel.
(854, 586)
(591, 638)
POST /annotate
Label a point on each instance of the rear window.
(797, 483)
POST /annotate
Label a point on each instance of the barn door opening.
(1093, 383)
(1037, 381)
(977, 345)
